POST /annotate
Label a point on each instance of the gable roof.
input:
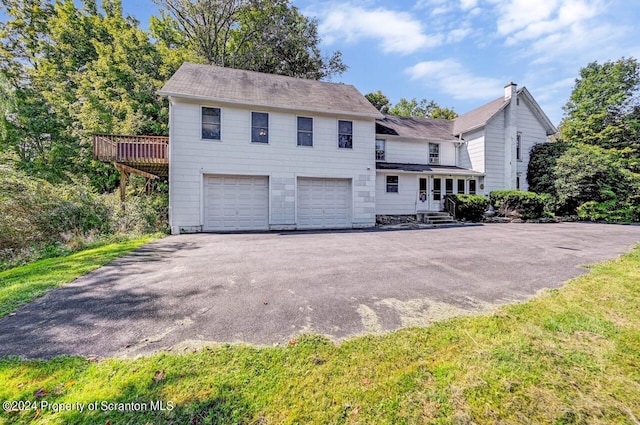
(415, 127)
(479, 117)
(208, 82)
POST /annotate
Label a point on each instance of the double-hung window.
(519, 146)
(380, 150)
(345, 134)
(392, 184)
(305, 131)
(210, 123)
(259, 127)
(434, 153)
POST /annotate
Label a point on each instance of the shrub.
(612, 210)
(542, 161)
(527, 205)
(470, 207)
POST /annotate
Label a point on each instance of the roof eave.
(266, 105)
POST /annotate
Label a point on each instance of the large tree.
(423, 108)
(75, 70)
(604, 108)
(269, 36)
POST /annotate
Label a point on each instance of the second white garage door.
(324, 203)
(236, 203)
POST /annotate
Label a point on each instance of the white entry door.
(324, 203)
(236, 203)
(437, 194)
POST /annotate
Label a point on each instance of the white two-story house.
(253, 151)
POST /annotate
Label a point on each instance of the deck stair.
(437, 218)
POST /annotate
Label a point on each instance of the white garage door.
(236, 203)
(324, 203)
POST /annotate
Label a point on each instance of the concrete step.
(436, 218)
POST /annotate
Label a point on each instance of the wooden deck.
(149, 154)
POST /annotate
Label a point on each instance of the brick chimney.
(510, 90)
(510, 135)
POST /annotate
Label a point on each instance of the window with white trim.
(519, 146)
(392, 184)
(472, 187)
(259, 127)
(210, 123)
(380, 149)
(434, 153)
(461, 184)
(345, 134)
(305, 131)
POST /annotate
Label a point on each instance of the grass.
(569, 356)
(22, 284)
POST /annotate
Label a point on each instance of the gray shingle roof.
(269, 90)
(478, 117)
(415, 127)
(438, 169)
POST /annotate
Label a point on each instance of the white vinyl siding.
(281, 160)
(402, 202)
(417, 152)
(324, 203)
(532, 133)
(236, 203)
(494, 155)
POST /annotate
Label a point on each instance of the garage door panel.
(236, 203)
(324, 203)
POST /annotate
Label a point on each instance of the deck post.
(123, 187)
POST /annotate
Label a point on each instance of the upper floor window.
(380, 150)
(259, 127)
(392, 184)
(434, 153)
(305, 131)
(345, 134)
(519, 146)
(210, 123)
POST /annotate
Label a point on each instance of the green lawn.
(570, 356)
(22, 284)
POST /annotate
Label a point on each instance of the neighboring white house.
(253, 151)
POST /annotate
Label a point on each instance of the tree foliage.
(542, 161)
(379, 101)
(604, 108)
(269, 36)
(410, 108)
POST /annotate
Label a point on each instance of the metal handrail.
(450, 205)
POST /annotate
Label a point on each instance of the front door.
(436, 195)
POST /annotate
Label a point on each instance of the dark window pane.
(305, 124)
(211, 123)
(211, 131)
(345, 141)
(449, 186)
(460, 186)
(259, 119)
(392, 184)
(472, 187)
(259, 135)
(345, 127)
(305, 138)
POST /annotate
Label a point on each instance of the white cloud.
(396, 31)
(451, 77)
(468, 4)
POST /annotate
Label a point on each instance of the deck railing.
(131, 149)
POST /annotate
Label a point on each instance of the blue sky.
(461, 53)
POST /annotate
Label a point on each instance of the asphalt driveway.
(185, 291)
